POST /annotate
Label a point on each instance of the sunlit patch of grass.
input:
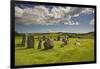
(70, 53)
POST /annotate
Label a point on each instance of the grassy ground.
(70, 53)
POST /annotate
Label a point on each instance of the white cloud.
(92, 22)
(75, 11)
(71, 22)
(18, 12)
(88, 10)
(43, 15)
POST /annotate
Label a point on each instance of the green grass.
(70, 53)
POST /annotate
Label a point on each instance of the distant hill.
(89, 35)
(71, 35)
(81, 35)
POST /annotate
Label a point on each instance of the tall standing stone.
(26, 39)
(30, 41)
(58, 38)
(48, 44)
(23, 39)
(39, 43)
(64, 42)
(44, 37)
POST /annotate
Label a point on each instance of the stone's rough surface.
(64, 42)
(39, 43)
(44, 37)
(30, 41)
(23, 39)
(58, 38)
(48, 44)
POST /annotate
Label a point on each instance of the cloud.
(71, 22)
(18, 12)
(75, 11)
(92, 22)
(43, 15)
(88, 10)
(36, 15)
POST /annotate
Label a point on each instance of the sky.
(34, 18)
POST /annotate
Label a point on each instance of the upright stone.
(44, 37)
(64, 42)
(48, 44)
(39, 43)
(30, 41)
(23, 39)
(26, 39)
(58, 38)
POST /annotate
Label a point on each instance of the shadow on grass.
(44, 49)
(19, 45)
(22, 48)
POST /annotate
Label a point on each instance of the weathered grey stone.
(44, 37)
(39, 43)
(48, 44)
(64, 42)
(58, 38)
(30, 41)
(23, 39)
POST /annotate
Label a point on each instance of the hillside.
(71, 35)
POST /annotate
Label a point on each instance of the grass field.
(70, 53)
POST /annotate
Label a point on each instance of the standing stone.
(30, 41)
(67, 38)
(64, 42)
(23, 39)
(44, 37)
(58, 38)
(26, 38)
(38, 37)
(39, 43)
(48, 44)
